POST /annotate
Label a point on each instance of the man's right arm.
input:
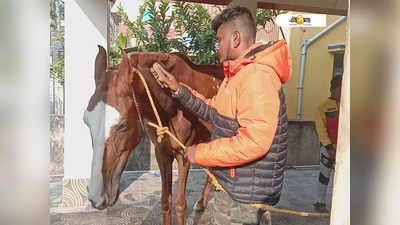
(195, 103)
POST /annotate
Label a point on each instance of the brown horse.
(117, 116)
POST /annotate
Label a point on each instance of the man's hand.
(331, 151)
(164, 77)
(189, 154)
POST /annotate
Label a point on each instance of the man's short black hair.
(336, 82)
(230, 14)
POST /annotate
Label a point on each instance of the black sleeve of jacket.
(222, 126)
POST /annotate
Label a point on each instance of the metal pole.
(108, 14)
(301, 79)
(64, 97)
(324, 31)
(54, 97)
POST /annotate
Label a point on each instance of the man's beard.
(227, 58)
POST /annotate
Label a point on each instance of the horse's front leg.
(180, 199)
(183, 131)
(164, 161)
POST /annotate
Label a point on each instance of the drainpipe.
(304, 46)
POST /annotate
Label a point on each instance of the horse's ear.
(125, 59)
(100, 65)
(125, 66)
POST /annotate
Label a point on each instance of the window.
(338, 65)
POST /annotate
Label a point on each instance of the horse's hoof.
(199, 207)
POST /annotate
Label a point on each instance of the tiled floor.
(139, 202)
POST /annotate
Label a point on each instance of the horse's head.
(114, 127)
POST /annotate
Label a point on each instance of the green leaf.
(57, 69)
(190, 18)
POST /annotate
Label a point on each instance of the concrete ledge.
(303, 149)
(303, 143)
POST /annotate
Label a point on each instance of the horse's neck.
(203, 83)
(162, 101)
(213, 70)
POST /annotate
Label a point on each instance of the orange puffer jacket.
(249, 94)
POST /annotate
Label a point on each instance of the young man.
(248, 148)
(327, 129)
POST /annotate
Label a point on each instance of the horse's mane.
(213, 70)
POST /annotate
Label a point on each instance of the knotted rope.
(160, 130)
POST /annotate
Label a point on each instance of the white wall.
(85, 28)
(130, 7)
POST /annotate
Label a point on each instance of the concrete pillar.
(340, 214)
(85, 28)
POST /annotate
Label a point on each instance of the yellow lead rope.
(160, 129)
(164, 130)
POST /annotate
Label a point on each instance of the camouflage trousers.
(327, 165)
(226, 211)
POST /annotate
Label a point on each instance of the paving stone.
(139, 202)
